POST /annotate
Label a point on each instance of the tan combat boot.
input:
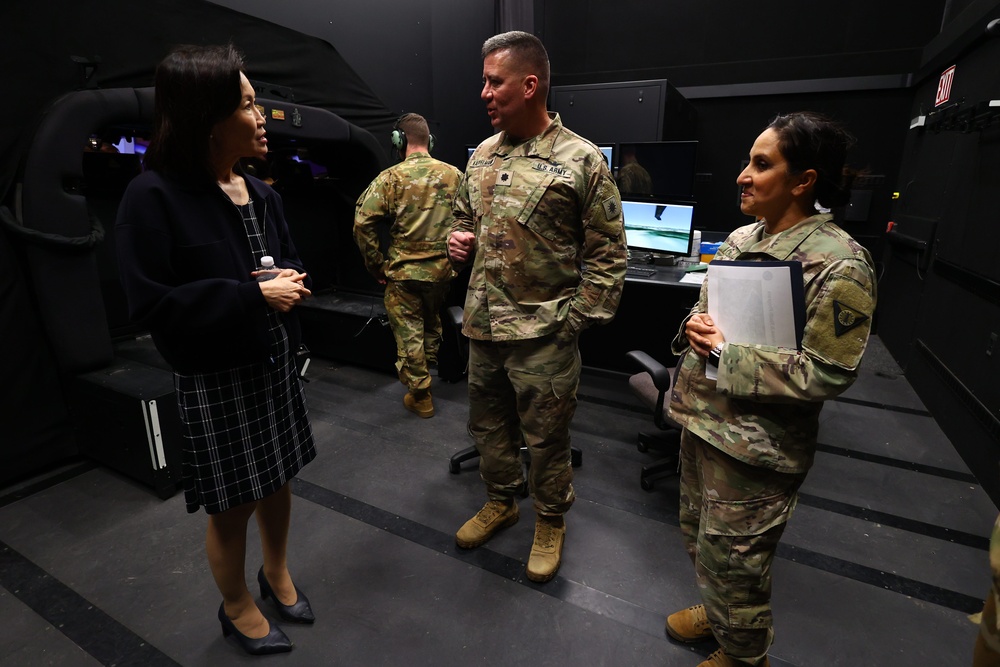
(546, 551)
(495, 515)
(720, 659)
(690, 625)
(419, 403)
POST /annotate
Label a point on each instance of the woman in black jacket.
(191, 232)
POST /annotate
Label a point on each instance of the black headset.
(398, 138)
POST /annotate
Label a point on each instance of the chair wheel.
(642, 447)
(647, 485)
(454, 468)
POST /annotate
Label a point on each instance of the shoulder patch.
(846, 318)
(612, 209)
(838, 330)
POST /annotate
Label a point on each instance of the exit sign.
(944, 86)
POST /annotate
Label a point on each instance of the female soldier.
(749, 437)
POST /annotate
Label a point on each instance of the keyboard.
(639, 271)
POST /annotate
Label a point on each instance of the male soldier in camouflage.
(415, 196)
(749, 437)
(540, 217)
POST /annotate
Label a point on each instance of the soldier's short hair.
(528, 53)
(416, 129)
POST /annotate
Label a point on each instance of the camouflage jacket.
(989, 624)
(415, 197)
(550, 246)
(764, 408)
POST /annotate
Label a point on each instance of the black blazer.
(185, 264)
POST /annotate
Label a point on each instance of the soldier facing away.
(416, 197)
(539, 216)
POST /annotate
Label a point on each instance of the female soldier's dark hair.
(810, 140)
(196, 87)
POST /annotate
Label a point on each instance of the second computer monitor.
(658, 228)
(655, 170)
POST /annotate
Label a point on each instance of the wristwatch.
(715, 355)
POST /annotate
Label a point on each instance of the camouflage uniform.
(416, 196)
(987, 650)
(750, 437)
(549, 262)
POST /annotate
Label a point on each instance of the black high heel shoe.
(300, 612)
(276, 641)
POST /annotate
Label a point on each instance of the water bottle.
(266, 264)
(696, 245)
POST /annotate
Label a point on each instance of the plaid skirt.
(246, 431)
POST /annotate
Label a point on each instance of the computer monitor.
(609, 153)
(471, 148)
(656, 169)
(658, 228)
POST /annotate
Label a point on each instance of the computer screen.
(659, 228)
(656, 169)
(471, 149)
(609, 153)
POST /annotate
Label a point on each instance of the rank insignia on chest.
(505, 177)
(846, 318)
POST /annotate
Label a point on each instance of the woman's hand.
(702, 334)
(285, 291)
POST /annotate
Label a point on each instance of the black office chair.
(652, 385)
(455, 314)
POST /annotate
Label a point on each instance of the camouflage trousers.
(523, 394)
(414, 310)
(732, 515)
(987, 650)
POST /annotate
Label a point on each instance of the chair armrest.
(642, 362)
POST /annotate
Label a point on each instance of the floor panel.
(880, 564)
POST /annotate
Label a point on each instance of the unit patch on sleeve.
(846, 318)
(837, 331)
(612, 209)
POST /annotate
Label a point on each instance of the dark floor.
(881, 565)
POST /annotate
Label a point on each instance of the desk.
(651, 310)
(352, 327)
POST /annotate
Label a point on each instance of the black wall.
(728, 42)
(940, 297)
(740, 67)
(418, 56)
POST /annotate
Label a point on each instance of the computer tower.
(126, 418)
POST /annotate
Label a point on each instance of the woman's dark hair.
(196, 87)
(810, 140)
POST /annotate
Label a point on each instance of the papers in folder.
(757, 302)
